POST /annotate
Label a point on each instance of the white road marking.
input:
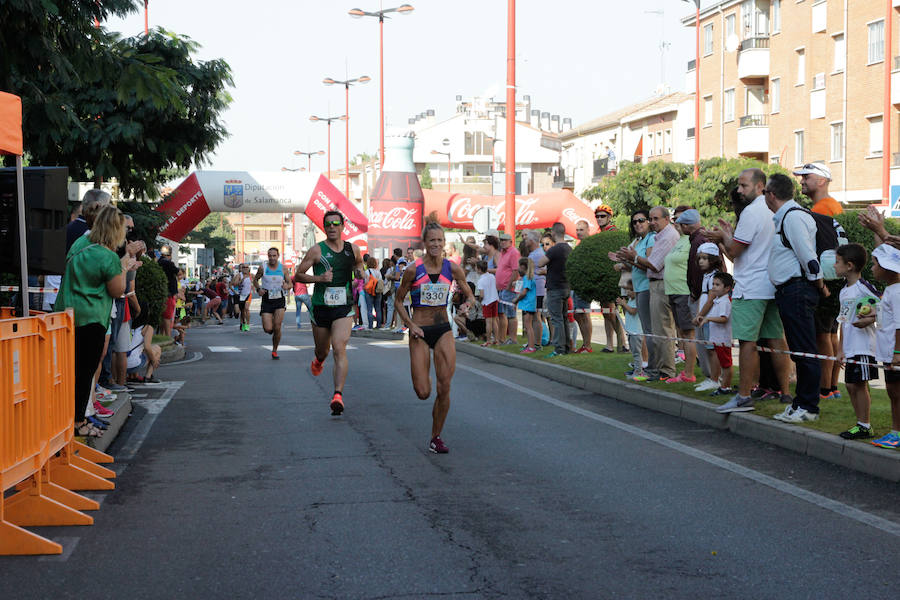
(287, 348)
(389, 344)
(224, 349)
(816, 499)
(153, 407)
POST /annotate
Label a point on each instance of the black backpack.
(829, 235)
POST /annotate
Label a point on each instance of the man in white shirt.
(795, 272)
(754, 315)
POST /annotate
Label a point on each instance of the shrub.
(858, 234)
(589, 270)
(151, 287)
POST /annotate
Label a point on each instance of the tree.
(216, 233)
(105, 106)
(425, 179)
(637, 186)
(362, 158)
(146, 221)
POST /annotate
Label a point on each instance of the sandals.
(87, 430)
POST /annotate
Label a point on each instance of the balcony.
(753, 58)
(753, 134)
(560, 181)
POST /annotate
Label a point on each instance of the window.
(819, 16)
(819, 81)
(840, 48)
(728, 98)
(729, 25)
(775, 94)
(798, 147)
(659, 142)
(837, 141)
(876, 41)
(708, 39)
(801, 66)
(251, 235)
(776, 16)
(707, 111)
(876, 130)
(273, 235)
(668, 139)
(477, 143)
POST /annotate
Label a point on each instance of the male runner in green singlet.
(333, 263)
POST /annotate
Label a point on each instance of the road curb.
(823, 446)
(122, 406)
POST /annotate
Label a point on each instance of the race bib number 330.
(434, 294)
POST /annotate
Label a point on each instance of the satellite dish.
(485, 219)
(732, 42)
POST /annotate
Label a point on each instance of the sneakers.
(646, 378)
(891, 440)
(508, 342)
(706, 385)
(337, 404)
(462, 338)
(102, 410)
(737, 403)
(528, 350)
(857, 432)
(436, 446)
(274, 355)
(682, 378)
(315, 367)
(826, 396)
(785, 398)
(245, 326)
(116, 388)
(760, 393)
(583, 350)
(796, 415)
(723, 392)
(554, 354)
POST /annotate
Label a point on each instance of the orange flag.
(10, 124)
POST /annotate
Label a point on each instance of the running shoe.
(826, 396)
(554, 354)
(315, 367)
(274, 355)
(796, 415)
(98, 423)
(761, 393)
(508, 342)
(436, 446)
(337, 404)
(585, 350)
(646, 378)
(528, 351)
(857, 432)
(723, 392)
(835, 393)
(682, 378)
(891, 440)
(737, 403)
(461, 338)
(102, 411)
(607, 350)
(706, 385)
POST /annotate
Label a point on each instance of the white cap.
(814, 168)
(708, 248)
(888, 257)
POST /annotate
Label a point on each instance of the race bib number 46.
(434, 294)
(335, 296)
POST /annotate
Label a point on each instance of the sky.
(576, 58)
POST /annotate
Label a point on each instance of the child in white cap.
(710, 262)
(886, 268)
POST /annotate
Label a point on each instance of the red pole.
(448, 171)
(697, 100)
(347, 130)
(329, 148)
(309, 163)
(146, 18)
(381, 76)
(511, 119)
(243, 238)
(886, 119)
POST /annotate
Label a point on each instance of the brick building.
(793, 81)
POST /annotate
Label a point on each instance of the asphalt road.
(239, 483)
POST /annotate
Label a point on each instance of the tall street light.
(510, 196)
(403, 9)
(308, 156)
(696, 92)
(447, 154)
(347, 83)
(328, 120)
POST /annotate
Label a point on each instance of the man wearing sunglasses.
(333, 262)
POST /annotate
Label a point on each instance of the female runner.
(428, 283)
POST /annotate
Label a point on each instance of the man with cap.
(814, 180)
(507, 273)
(797, 276)
(604, 215)
(689, 221)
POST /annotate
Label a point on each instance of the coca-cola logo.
(397, 218)
(461, 210)
(571, 215)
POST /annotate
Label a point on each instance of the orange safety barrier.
(8, 312)
(39, 455)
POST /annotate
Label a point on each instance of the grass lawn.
(162, 339)
(836, 415)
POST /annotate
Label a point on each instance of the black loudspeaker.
(46, 217)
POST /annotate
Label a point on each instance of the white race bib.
(434, 294)
(276, 294)
(846, 312)
(335, 296)
(518, 286)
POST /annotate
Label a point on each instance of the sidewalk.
(861, 457)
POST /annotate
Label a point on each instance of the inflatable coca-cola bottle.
(396, 204)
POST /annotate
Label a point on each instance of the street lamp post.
(403, 9)
(696, 93)
(308, 156)
(510, 200)
(447, 154)
(347, 83)
(328, 120)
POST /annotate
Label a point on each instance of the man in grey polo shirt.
(795, 272)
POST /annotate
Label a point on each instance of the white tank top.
(272, 281)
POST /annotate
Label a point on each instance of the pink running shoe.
(102, 410)
(681, 378)
(436, 446)
(528, 350)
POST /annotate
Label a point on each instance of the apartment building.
(793, 81)
(255, 233)
(659, 128)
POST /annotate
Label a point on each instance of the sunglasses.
(337, 223)
(545, 244)
(601, 216)
(641, 220)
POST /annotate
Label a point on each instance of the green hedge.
(858, 234)
(151, 287)
(589, 270)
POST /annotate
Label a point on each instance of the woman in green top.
(94, 276)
